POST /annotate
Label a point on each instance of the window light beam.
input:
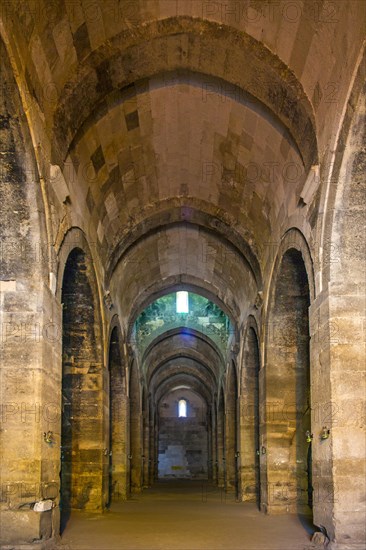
(182, 305)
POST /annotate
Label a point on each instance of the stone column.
(249, 421)
(146, 448)
(119, 449)
(338, 401)
(230, 450)
(214, 453)
(220, 449)
(136, 451)
(31, 413)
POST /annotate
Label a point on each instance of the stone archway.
(220, 440)
(135, 455)
(287, 388)
(231, 435)
(117, 419)
(145, 420)
(250, 418)
(82, 389)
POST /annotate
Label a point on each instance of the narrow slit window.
(182, 305)
(182, 408)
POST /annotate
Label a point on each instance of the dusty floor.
(185, 516)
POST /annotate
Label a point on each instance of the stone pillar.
(230, 450)
(249, 421)
(151, 444)
(31, 419)
(220, 449)
(249, 449)
(136, 450)
(156, 447)
(264, 486)
(209, 445)
(338, 404)
(214, 454)
(146, 449)
(119, 485)
(136, 428)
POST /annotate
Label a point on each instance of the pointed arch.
(82, 432)
(250, 416)
(287, 382)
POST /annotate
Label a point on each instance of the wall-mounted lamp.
(237, 454)
(263, 450)
(48, 437)
(309, 436)
(258, 452)
(129, 457)
(324, 434)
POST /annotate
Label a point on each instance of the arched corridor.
(182, 274)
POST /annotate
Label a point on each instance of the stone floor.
(185, 515)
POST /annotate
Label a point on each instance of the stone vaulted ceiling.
(181, 135)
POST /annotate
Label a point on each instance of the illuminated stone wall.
(183, 442)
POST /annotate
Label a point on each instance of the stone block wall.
(183, 442)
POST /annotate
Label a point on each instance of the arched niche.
(146, 438)
(220, 440)
(231, 429)
(117, 416)
(287, 388)
(135, 425)
(250, 417)
(82, 432)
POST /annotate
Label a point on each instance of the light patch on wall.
(100, 232)
(111, 206)
(182, 305)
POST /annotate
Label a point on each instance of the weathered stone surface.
(150, 147)
(183, 442)
(320, 539)
(31, 526)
